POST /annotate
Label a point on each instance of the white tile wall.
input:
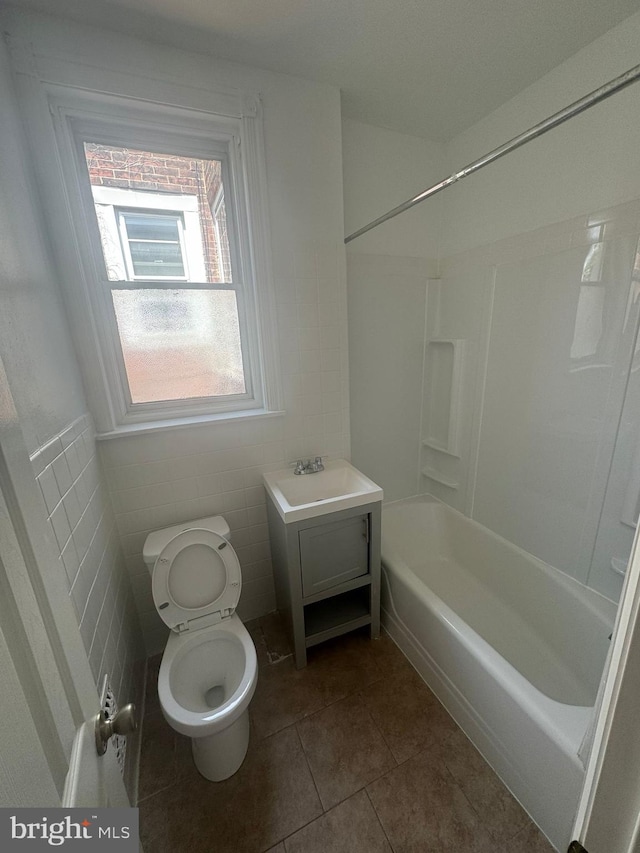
(387, 298)
(68, 472)
(173, 476)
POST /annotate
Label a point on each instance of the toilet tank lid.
(159, 539)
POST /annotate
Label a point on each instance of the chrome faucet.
(306, 466)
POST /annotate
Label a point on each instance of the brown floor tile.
(283, 696)
(351, 827)
(165, 822)
(151, 700)
(407, 713)
(422, 810)
(270, 797)
(336, 669)
(276, 637)
(529, 840)
(184, 764)
(347, 664)
(255, 631)
(500, 812)
(359, 708)
(388, 657)
(344, 748)
(157, 756)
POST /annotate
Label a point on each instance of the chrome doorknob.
(123, 722)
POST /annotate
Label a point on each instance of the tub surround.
(550, 322)
(517, 353)
(519, 672)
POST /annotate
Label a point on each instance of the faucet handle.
(318, 463)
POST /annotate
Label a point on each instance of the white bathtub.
(512, 647)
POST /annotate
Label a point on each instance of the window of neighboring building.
(153, 245)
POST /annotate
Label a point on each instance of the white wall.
(382, 169)
(36, 350)
(586, 165)
(178, 475)
(388, 270)
(34, 337)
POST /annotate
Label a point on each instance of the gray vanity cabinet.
(333, 552)
(327, 574)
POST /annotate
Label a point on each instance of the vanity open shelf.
(337, 614)
(326, 560)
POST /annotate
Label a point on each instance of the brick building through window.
(127, 169)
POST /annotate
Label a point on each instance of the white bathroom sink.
(339, 486)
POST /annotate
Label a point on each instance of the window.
(158, 216)
(171, 238)
(153, 245)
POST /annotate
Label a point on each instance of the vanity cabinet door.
(333, 553)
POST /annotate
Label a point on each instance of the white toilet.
(209, 667)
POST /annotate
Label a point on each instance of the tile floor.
(351, 755)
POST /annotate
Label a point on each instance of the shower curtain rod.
(610, 88)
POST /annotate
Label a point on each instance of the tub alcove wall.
(493, 357)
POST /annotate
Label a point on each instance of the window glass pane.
(145, 227)
(144, 186)
(180, 344)
(155, 260)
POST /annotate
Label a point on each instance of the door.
(49, 698)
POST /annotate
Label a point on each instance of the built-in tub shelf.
(433, 446)
(336, 615)
(444, 481)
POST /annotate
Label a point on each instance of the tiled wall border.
(83, 527)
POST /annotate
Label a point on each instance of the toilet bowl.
(209, 667)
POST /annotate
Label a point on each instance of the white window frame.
(237, 142)
(218, 203)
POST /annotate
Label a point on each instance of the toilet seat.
(196, 580)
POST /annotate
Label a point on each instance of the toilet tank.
(156, 541)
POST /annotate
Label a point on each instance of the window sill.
(151, 427)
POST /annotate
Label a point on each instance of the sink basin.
(339, 486)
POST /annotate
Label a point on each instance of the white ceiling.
(426, 67)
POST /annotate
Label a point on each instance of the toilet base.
(219, 756)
